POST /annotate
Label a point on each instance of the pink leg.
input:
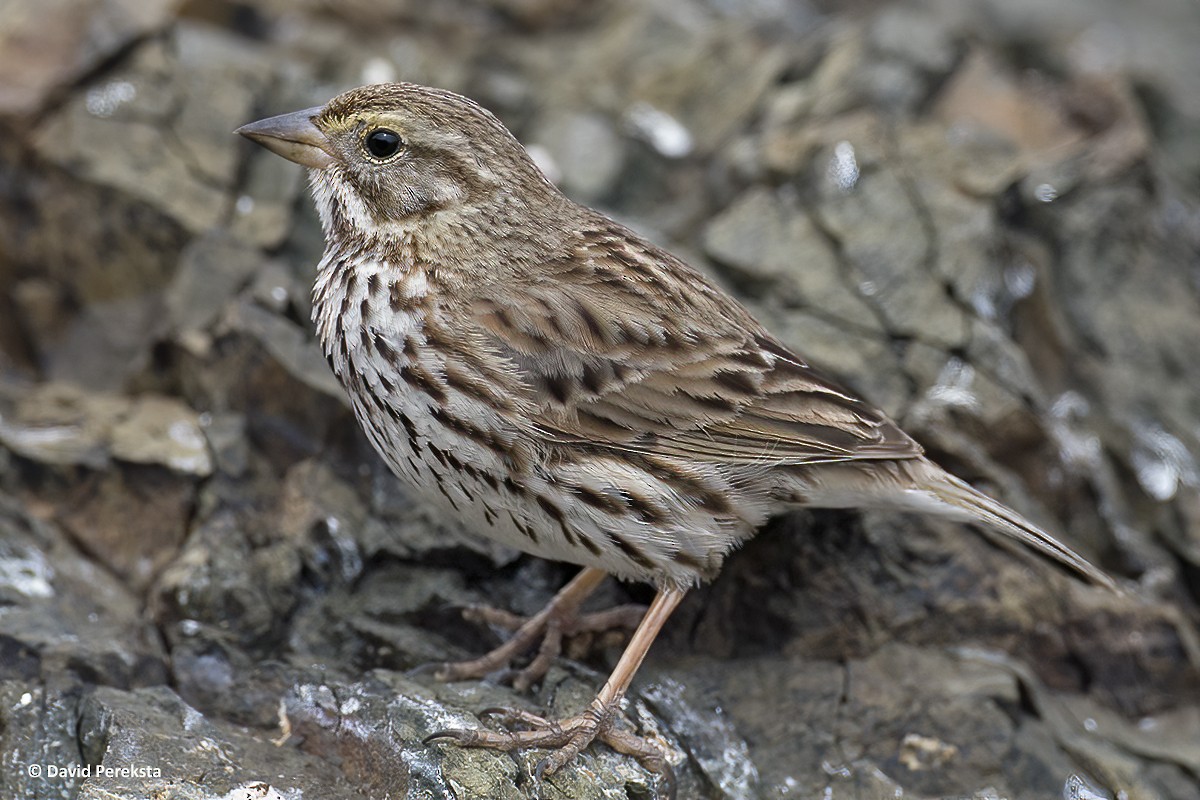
(556, 622)
(566, 738)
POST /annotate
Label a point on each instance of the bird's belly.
(538, 510)
(472, 487)
(538, 497)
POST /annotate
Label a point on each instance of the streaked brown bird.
(560, 384)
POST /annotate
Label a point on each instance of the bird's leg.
(559, 618)
(567, 737)
(581, 630)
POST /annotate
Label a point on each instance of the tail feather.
(976, 505)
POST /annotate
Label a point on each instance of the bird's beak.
(293, 136)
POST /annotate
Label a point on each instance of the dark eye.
(383, 143)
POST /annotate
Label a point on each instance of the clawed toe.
(565, 738)
(515, 716)
(490, 615)
(450, 734)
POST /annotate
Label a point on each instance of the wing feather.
(625, 347)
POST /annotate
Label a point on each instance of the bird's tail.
(972, 504)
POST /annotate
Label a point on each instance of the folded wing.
(625, 347)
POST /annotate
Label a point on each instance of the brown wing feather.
(624, 346)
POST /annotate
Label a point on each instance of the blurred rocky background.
(985, 215)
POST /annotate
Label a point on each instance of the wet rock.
(380, 622)
(983, 96)
(316, 506)
(117, 332)
(59, 424)
(872, 216)
(277, 289)
(785, 142)
(36, 309)
(39, 727)
(212, 270)
(134, 518)
(293, 347)
(788, 749)
(770, 240)
(1127, 288)
(587, 150)
(667, 70)
(957, 180)
(407, 528)
(221, 578)
(148, 741)
(263, 212)
(69, 622)
(164, 122)
(930, 758)
(375, 728)
(89, 299)
(915, 50)
(975, 400)
(877, 726)
(983, 227)
(159, 430)
(710, 738)
(836, 83)
(46, 45)
(914, 36)
(226, 435)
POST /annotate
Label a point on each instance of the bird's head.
(381, 157)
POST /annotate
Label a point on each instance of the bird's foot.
(553, 625)
(564, 738)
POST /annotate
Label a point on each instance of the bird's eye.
(383, 143)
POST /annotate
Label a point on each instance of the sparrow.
(554, 381)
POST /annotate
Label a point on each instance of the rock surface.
(984, 216)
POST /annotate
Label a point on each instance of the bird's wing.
(625, 347)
